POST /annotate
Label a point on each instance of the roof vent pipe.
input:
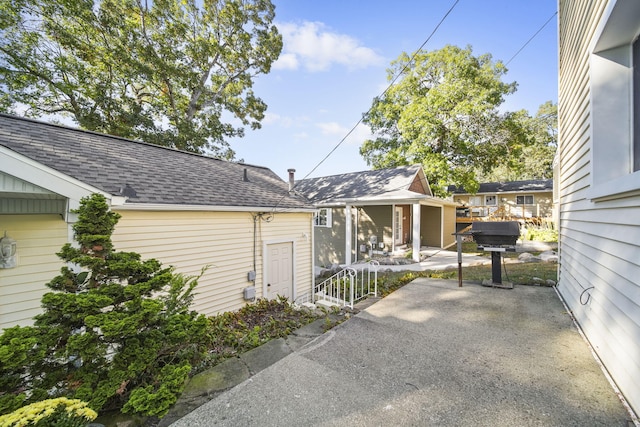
(245, 177)
(291, 179)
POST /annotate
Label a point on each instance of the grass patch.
(517, 273)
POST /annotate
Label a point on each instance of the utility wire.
(386, 90)
(531, 38)
(408, 64)
(400, 73)
(382, 94)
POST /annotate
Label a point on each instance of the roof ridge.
(361, 172)
(517, 180)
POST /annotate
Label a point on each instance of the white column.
(394, 229)
(416, 232)
(347, 235)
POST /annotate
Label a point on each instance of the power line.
(386, 90)
(383, 93)
(532, 37)
(401, 72)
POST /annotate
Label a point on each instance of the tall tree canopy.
(163, 71)
(443, 113)
(535, 159)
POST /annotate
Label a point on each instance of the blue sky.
(334, 63)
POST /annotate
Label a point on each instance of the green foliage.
(162, 71)
(541, 234)
(535, 160)
(443, 113)
(253, 325)
(59, 412)
(115, 332)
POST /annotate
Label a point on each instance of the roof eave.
(206, 208)
(370, 201)
(51, 179)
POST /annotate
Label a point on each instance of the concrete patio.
(432, 354)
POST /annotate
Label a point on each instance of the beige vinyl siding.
(298, 229)
(431, 226)
(542, 203)
(38, 237)
(224, 241)
(599, 240)
(449, 226)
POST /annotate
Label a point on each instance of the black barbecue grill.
(496, 237)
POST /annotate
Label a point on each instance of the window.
(614, 85)
(524, 200)
(490, 200)
(323, 218)
(475, 200)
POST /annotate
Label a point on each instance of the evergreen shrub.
(116, 331)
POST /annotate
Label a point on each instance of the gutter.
(427, 201)
(124, 206)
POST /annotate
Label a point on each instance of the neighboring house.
(186, 210)
(514, 200)
(598, 180)
(376, 211)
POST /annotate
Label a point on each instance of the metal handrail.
(347, 286)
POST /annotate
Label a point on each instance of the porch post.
(347, 234)
(416, 232)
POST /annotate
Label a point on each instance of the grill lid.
(495, 233)
(496, 228)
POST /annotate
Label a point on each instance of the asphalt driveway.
(433, 354)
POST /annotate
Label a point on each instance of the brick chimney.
(292, 180)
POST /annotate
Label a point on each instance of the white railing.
(366, 282)
(346, 287)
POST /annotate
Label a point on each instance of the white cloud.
(312, 46)
(333, 129)
(283, 121)
(286, 61)
(271, 118)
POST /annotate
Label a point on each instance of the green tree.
(443, 113)
(162, 71)
(116, 331)
(535, 159)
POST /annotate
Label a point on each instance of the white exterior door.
(280, 270)
(398, 225)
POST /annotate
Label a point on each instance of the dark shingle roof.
(145, 172)
(358, 184)
(509, 187)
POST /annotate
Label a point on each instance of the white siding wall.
(599, 239)
(39, 237)
(224, 241)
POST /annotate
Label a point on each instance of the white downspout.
(393, 229)
(416, 231)
(313, 255)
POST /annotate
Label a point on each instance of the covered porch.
(399, 227)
